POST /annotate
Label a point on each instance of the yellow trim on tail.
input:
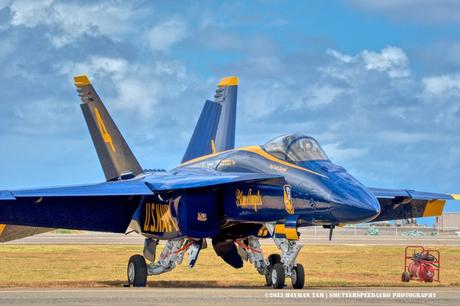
(81, 80)
(456, 196)
(229, 81)
(434, 208)
(2, 228)
(213, 146)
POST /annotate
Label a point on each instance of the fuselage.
(321, 192)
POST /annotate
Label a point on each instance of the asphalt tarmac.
(231, 296)
(306, 238)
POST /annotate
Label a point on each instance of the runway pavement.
(307, 238)
(231, 296)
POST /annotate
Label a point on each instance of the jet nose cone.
(368, 210)
(362, 207)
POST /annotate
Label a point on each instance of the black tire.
(137, 271)
(405, 277)
(277, 276)
(298, 277)
(268, 277)
(272, 259)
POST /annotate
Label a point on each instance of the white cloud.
(137, 96)
(96, 67)
(443, 84)
(319, 96)
(391, 60)
(4, 3)
(420, 11)
(162, 36)
(339, 153)
(71, 20)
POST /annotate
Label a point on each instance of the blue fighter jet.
(231, 196)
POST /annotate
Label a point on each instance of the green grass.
(105, 266)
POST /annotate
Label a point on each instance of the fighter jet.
(230, 196)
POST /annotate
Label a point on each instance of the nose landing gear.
(285, 265)
(276, 267)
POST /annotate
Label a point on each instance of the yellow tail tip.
(229, 81)
(81, 80)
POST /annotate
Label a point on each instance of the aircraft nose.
(361, 206)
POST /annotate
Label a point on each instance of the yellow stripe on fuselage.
(456, 196)
(2, 228)
(259, 151)
(204, 157)
(434, 208)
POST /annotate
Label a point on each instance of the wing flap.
(13, 232)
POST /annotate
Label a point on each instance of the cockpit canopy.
(295, 148)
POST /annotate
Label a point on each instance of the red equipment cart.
(421, 264)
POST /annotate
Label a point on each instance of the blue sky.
(376, 82)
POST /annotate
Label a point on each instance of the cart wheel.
(405, 277)
(278, 276)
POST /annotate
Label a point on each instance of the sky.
(377, 83)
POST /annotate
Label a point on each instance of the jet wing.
(109, 206)
(197, 178)
(399, 204)
(100, 207)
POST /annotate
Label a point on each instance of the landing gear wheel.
(298, 277)
(405, 277)
(137, 271)
(277, 275)
(272, 259)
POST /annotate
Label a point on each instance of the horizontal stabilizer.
(397, 204)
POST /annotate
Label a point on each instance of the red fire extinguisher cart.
(421, 264)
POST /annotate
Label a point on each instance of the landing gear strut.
(276, 267)
(285, 265)
(172, 254)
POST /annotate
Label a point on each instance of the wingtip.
(229, 81)
(81, 80)
(455, 196)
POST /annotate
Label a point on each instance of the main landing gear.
(276, 267)
(172, 255)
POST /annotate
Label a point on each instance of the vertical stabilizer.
(226, 95)
(204, 135)
(114, 153)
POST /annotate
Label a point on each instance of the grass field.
(105, 266)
